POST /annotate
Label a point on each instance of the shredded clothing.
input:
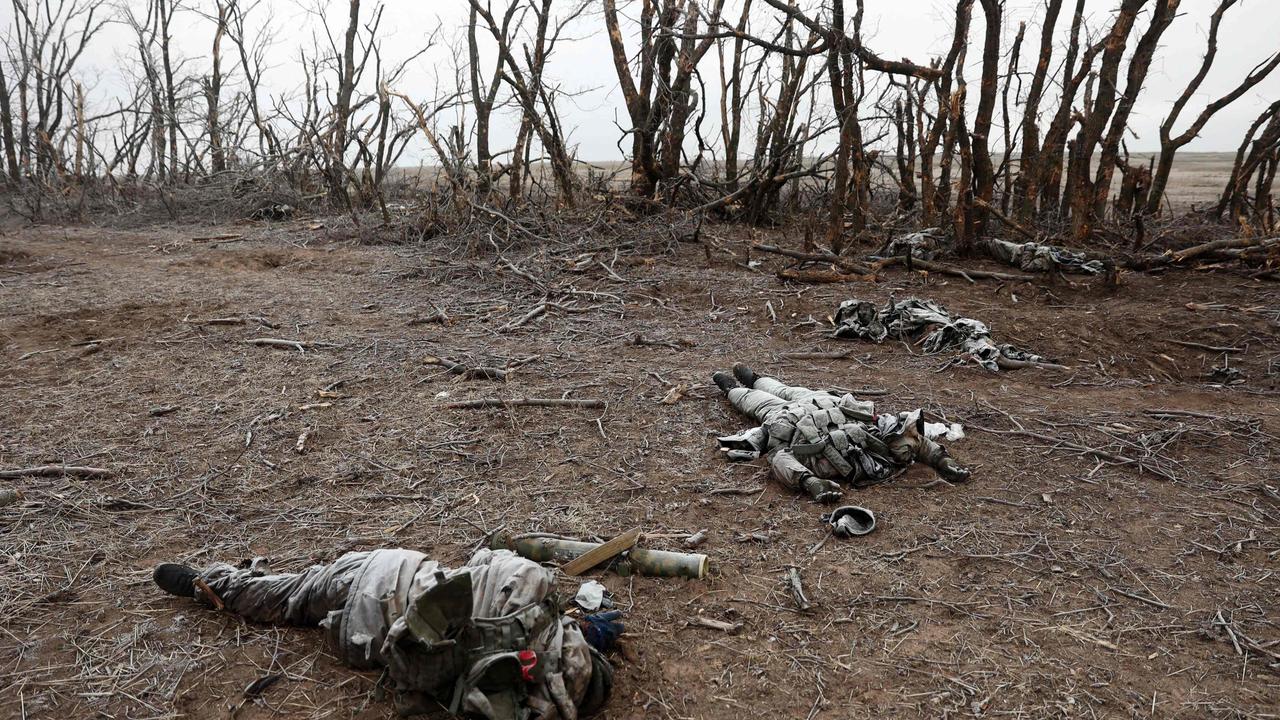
(933, 326)
(928, 244)
(931, 244)
(372, 604)
(1037, 257)
(816, 439)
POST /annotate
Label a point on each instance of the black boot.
(745, 375)
(724, 380)
(176, 579)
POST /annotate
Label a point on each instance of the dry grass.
(1054, 584)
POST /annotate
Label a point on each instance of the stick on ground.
(524, 402)
(57, 471)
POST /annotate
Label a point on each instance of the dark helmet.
(851, 520)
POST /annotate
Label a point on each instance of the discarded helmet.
(850, 520)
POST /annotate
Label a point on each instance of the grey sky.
(916, 29)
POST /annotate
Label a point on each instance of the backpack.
(473, 665)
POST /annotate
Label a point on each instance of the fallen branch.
(208, 592)
(298, 345)
(734, 490)
(820, 276)
(1196, 251)
(438, 316)
(720, 625)
(214, 321)
(944, 269)
(1005, 219)
(1007, 363)
(470, 373)
(850, 265)
(56, 471)
(538, 311)
(1210, 348)
(677, 344)
(524, 402)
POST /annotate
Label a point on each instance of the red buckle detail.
(528, 661)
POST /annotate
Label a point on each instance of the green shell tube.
(641, 561)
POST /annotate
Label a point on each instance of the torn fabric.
(1036, 257)
(929, 323)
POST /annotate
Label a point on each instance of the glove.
(601, 630)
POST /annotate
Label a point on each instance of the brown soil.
(1050, 585)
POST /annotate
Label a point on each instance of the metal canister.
(642, 561)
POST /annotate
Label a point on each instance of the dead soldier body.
(487, 639)
(817, 440)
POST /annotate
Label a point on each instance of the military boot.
(745, 375)
(724, 380)
(822, 489)
(176, 579)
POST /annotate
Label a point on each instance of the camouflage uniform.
(383, 609)
(816, 439)
(937, 330)
(1037, 257)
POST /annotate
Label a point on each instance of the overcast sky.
(917, 29)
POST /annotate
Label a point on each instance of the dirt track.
(1051, 585)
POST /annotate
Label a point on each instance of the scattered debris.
(469, 373)
(797, 589)
(1225, 375)
(931, 325)
(524, 402)
(640, 340)
(299, 345)
(675, 394)
(695, 539)
(256, 688)
(590, 596)
(711, 624)
(950, 433)
(605, 551)
(57, 471)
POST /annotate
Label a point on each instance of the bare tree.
(660, 101)
(484, 93)
(48, 40)
(1169, 143)
(1097, 114)
(213, 92)
(536, 100)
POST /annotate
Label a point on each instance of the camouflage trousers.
(767, 395)
(303, 598)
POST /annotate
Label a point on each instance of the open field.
(1197, 178)
(1053, 584)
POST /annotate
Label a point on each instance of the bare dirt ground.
(1053, 584)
